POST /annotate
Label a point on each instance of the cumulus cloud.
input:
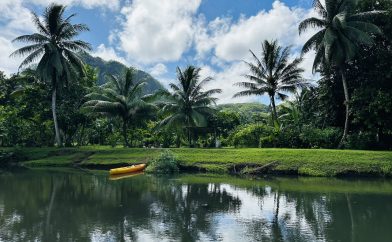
(8, 65)
(108, 54)
(109, 4)
(232, 43)
(155, 31)
(229, 42)
(15, 20)
(225, 80)
(158, 70)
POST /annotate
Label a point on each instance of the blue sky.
(156, 36)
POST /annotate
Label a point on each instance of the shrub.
(320, 138)
(362, 141)
(308, 137)
(249, 135)
(165, 163)
(114, 139)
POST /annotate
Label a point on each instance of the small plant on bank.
(165, 163)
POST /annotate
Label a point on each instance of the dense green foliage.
(54, 44)
(343, 32)
(121, 97)
(350, 48)
(165, 163)
(272, 74)
(187, 105)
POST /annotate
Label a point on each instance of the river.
(82, 205)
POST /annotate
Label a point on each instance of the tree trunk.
(126, 144)
(274, 114)
(80, 141)
(178, 140)
(346, 103)
(189, 137)
(56, 126)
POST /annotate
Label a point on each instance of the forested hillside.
(117, 68)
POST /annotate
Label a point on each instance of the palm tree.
(121, 97)
(56, 49)
(273, 74)
(187, 105)
(342, 32)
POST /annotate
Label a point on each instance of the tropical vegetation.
(92, 102)
(121, 97)
(342, 33)
(273, 74)
(54, 44)
(187, 106)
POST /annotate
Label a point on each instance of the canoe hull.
(127, 169)
(125, 175)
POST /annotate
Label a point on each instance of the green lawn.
(313, 162)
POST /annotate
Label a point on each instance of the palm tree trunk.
(346, 103)
(178, 141)
(126, 144)
(56, 126)
(274, 114)
(189, 137)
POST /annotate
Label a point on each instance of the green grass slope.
(311, 162)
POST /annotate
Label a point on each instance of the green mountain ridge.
(116, 68)
(245, 107)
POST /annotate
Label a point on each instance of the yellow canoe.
(125, 175)
(127, 169)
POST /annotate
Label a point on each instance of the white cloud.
(225, 80)
(158, 70)
(109, 4)
(108, 54)
(155, 31)
(230, 42)
(206, 36)
(281, 23)
(14, 20)
(7, 64)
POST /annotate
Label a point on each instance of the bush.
(114, 139)
(321, 138)
(165, 163)
(308, 137)
(249, 135)
(362, 141)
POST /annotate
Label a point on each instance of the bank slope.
(311, 162)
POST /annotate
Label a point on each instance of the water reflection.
(60, 206)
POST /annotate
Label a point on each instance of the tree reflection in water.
(58, 206)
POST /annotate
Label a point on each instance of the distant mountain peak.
(117, 68)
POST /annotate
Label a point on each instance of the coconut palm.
(341, 32)
(187, 105)
(273, 74)
(56, 49)
(121, 97)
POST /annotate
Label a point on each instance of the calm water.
(64, 205)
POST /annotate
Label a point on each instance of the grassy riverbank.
(312, 162)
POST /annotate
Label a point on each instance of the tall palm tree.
(121, 97)
(273, 74)
(342, 32)
(57, 51)
(187, 105)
